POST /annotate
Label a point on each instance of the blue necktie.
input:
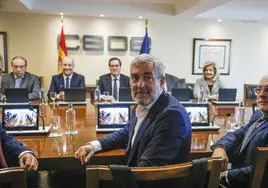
(18, 82)
(115, 89)
(67, 85)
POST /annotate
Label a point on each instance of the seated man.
(173, 82)
(160, 131)
(239, 147)
(13, 152)
(19, 78)
(112, 81)
(67, 79)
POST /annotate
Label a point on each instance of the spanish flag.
(62, 50)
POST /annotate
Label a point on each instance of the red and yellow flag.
(62, 50)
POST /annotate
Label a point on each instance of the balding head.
(67, 65)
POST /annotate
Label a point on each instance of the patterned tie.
(67, 85)
(17, 82)
(115, 89)
(251, 129)
(2, 157)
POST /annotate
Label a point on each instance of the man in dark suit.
(160, 131)
(13, 153)
(239, 147)
(112, 81)
(19, 78)
(67, 79)
(173, 82)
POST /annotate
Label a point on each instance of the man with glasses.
(112, 81)
(239, 147)
(20, 78)
(160, 131)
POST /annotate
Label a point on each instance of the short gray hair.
(147, 58)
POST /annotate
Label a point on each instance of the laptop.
(75, 95)
(22, 120)
(17, 95)
(227, 95)
(125, 94)
(182, 94)
(199, 116)
(112, 117)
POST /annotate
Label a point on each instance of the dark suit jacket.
(163, 138)
(105, 82)
(174, 82)
(242, 161)
(29, 81)
(11, 148)
(57, 82)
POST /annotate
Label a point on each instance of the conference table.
(57, 152)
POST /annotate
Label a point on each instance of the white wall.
(34, 37)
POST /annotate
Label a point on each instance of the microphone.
(42, 118)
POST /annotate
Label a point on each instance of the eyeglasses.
(258, 90)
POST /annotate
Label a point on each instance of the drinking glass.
(55, 126)
(52, 96)
(106, 96)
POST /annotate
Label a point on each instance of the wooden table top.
(51, 151)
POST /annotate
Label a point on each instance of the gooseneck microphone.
(42, 118)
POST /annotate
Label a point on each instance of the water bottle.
(70, 120)
(201, 94)
(240, 118)
(97, 94)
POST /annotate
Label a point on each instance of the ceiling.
(241, 10)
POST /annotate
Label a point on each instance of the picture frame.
(215, 50)
(3, 51)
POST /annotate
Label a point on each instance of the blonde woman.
(209, 84)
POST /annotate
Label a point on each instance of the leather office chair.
(249, 94)
(94, 174)
(15, 177)
(261, 164)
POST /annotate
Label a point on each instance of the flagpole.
(61, 18)
(145, 46)
(62, 46)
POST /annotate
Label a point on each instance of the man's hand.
(28, 161)
(220, 152)
(84, 153)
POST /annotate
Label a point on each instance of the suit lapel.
(73, 80)
(24, 81)
(109, 84)
(145, 124)
(12, 81)
(257, 130)
(132, 123)
(61, 82)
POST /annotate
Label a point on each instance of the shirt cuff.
(215, 146)
(27, 151)
(96, 145)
